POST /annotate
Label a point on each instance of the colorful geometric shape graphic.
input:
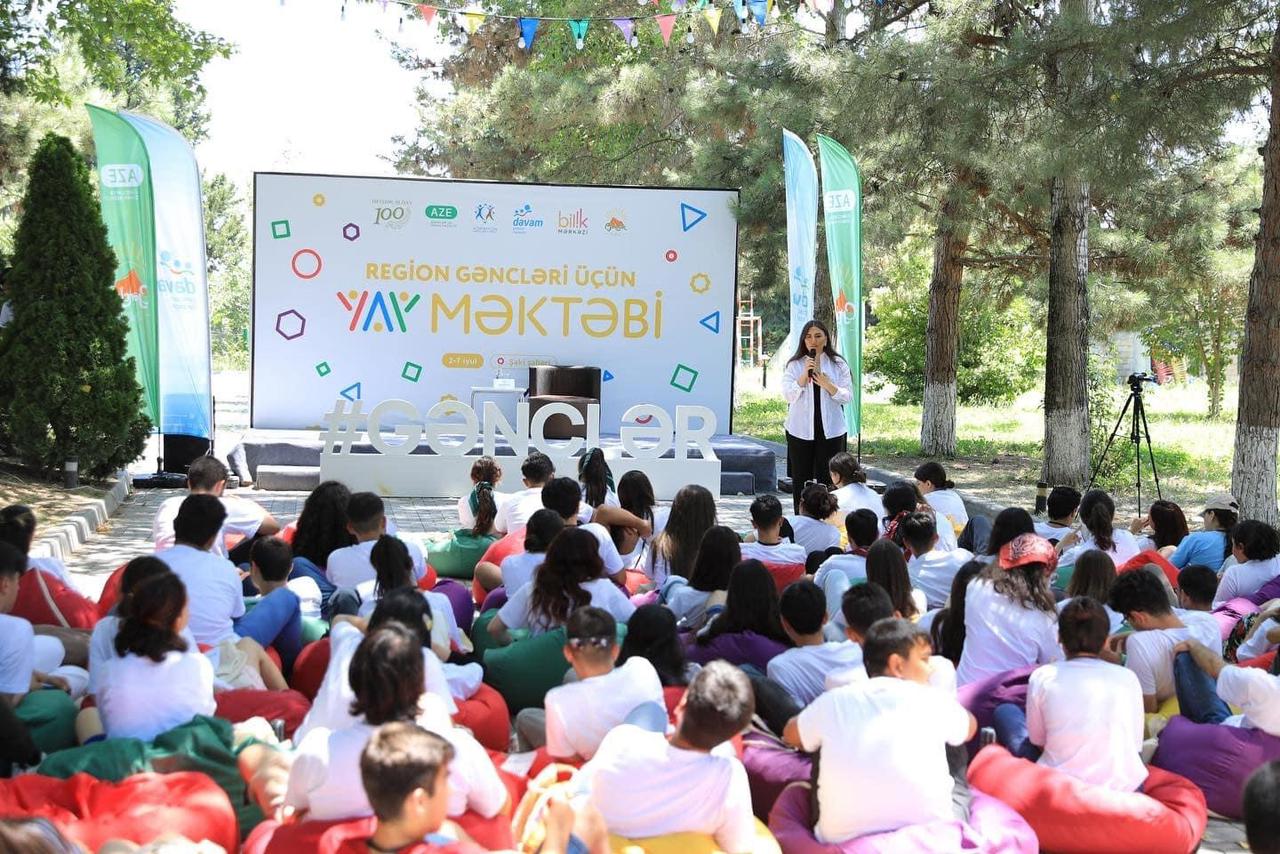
(318, 200)
(290, 324)
(699, 283)
(690, 216)
(712, 322)
(671, 255)
(683, 377)
(412, 372)
(351, 392)
(378, 305)
(351, 231)
(607, 376)
(280, 229)
(323, 369)
(313, 262)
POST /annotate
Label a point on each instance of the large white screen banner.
(380, 288)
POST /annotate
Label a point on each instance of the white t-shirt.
(933, 573)
(17, 655)
(1002, 635)
(604, 594)
(309, 595)
(950, 507)
(141, 698)
(784, 552)
(350, 565)
(1256, 693)
(444, 623)
(215, 595)
(1257, 644)
(608, 551)
(514, 513)
(691, 605)
(859, 496)
(1125, 546)
(517, 570)
(1245, 579)
(580, 714)
(643, 786)
(1065, 703)
(467, 519)
(836, 575)
(102, 648)
(894, 772)
(243, 517)
(803, 670)
(813, 535)
(610, 497)
(942, 676)
(1051, 531)
(638, 557)
(1149, 654)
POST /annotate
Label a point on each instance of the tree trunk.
(1253, 471)
(1066, 389)
(942, 335)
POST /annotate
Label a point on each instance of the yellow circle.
(318, 200)
(404, 296)
(352, 294)
(700, 283)
(377, 327)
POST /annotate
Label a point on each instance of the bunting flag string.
(713, 18)
(579, 30)
(666, 23)
(471, 21)
(628, 28)
(528, 31)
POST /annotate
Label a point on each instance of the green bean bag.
(457, 556)
(50, 718)
(526, 670)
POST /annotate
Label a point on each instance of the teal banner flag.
(842, 214)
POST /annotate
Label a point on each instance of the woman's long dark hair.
(933, 472)
(1098, 513)
(1226, 521)
(751, 605)
(1093, 576)
(948, 626)
(1027, 585)
(635, 495)
(150, 617)
(802, 351)
(322, 525)
(718, 553)
(595, 476)
(484, 507)
(1009, 524)
(693, 513)
(887, 567)
(18, 526)
(386, 675)
(573, 558)
(651, 634)
(1168, 525)
(391, 564)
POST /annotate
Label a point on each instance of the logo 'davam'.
(572, 223)
(524, 219)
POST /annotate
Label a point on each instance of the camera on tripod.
(1138, 433)
(1136, 381)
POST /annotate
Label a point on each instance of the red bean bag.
(635, 580)
(1262, 662)
(273, 837)
(33, 606)
(244, 703)
(485, 714)
(784, 573)
(287, 532)
(350, 837)
(275, 658)
(1168, 815)
(671, 696)
(1218, 759)
(429, 578)
(111, 591)
(309, 669)
(992, 828)
(500, 550)
(139, 808)
(1141, 559)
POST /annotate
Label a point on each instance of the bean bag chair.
(1141, 559)
(485, 714)
(736, 648)
(1218, 759)
(481, 640)
(784, 573)
(771, 767)
(689, 843)
(526, 670)
(1267, 592)
(275, 658)
(1167, 817)
(138, 808)
(111, 591)
(671, 696)
(53, 603)
(1231, 612)
(464, 610)
(243, 703)
(512, 543)
(992, 828)
(429, 578)
(1262, 662)
(287, 532)
(457, 556)
(50, 719)
(635, 580)
(982, 697)
(273, 837)
(309, 668)
(494, 599)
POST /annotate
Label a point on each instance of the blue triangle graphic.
(686, 221)
(351, 392)
(712, 322)
(607, 376)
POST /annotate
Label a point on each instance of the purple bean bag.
(736, 648)
(771, 767)
(992, 828)
(496, 599)
(982, 697)
(464, 610)
(1218, 759)
(1267, 592)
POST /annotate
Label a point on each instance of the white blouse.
(800, 398)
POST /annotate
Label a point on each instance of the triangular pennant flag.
(713, 18)
(769, 8)
(825, 6)
(579, 30)
(628, 28)
(428, 13)
(528, 30)
(740, 9)
(759, 10)
(665, 23)
(471, 21)
(677, 5)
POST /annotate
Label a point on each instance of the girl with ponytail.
(486, 474)
(941, 495)
(1097, 518)
(597, 479)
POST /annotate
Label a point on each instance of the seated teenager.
(393, 570)
(849, 486)
(1067, 700)
(218, 617)
(1211, 546)
(386, 678)
(946, 628)
(1097, 512)
(635, 495)
(518, 570)
(1157, 630)
(350, 567)
(1197, 586)
(485, 470)
(157, 681)
(887, 566)
(652, 635)
(801, 671)
(838, 573)
(672, 552)
(1162, 529)
(454, 554)
(940, 494)
(270, 565)
(862, 607)
(596, 479)
(1094, 576)
(536, 470)
(809, 529)
(1255, 546)
(1063, 503)
(750, 614)
(894, 773)
(579, 714)
(561, 495)
(647, 784)
(208, 476)
(569, 578)
(1206, 685)
(719, 551)
(931, 569)
(1009, 524)
(320, 531)
(18, 529)
(1262, 809)
(1010, 617)
(903, 498)
(769, 546)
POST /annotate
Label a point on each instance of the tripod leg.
(1110, 440)
(1151, 454)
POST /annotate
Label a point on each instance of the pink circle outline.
(293, 263)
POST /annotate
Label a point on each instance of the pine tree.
(74, 392)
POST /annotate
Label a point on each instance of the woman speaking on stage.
(816, 385)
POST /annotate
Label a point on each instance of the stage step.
(737, 483)
(288, 478)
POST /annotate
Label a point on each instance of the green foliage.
(227, 247)
(74, 392)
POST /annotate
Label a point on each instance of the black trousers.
(807, 460)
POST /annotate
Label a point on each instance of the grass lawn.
(999, 447)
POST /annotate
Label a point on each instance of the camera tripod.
(1138, 431)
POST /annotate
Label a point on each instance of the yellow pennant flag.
(713, 18)
(768, 9)
(471, 21)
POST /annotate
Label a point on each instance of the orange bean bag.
(500, 550)
(139, 808)
(111, 591)
(428, 579)
(309, 668)
(1167, 817)
(287, 532)
(1141, 559)
(32, 606)
(244, 703)
(485, 714)
(784, 573)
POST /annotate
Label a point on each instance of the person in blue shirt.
(1211, 546)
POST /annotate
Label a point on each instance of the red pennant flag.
(665, 23)
(428, 13)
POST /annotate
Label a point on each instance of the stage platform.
(290, 460)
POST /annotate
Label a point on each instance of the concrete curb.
(60, 540)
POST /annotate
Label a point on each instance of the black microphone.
(813, 354)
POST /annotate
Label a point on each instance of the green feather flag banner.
(842, 213)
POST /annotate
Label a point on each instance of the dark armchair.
(577, 386)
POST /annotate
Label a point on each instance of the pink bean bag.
(992, 828)
(485, 714)
(243, 703)
(1167, 817)
(309, 668)
(139, 808)
(1218, 759)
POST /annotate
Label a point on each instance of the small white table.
(505, 398)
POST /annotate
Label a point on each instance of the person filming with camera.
(816, 385)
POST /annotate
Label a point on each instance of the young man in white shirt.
(803, 669)
(1063, 504)
(208, 476)
(349, 566)
(883, 743)
(645, 784)
(1206, 684)
(578, 715)
(769, 545)
(1149, 651)
(563, 496)
(536, 470)
(1066, 700)
(930, 568)
(862, 607)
